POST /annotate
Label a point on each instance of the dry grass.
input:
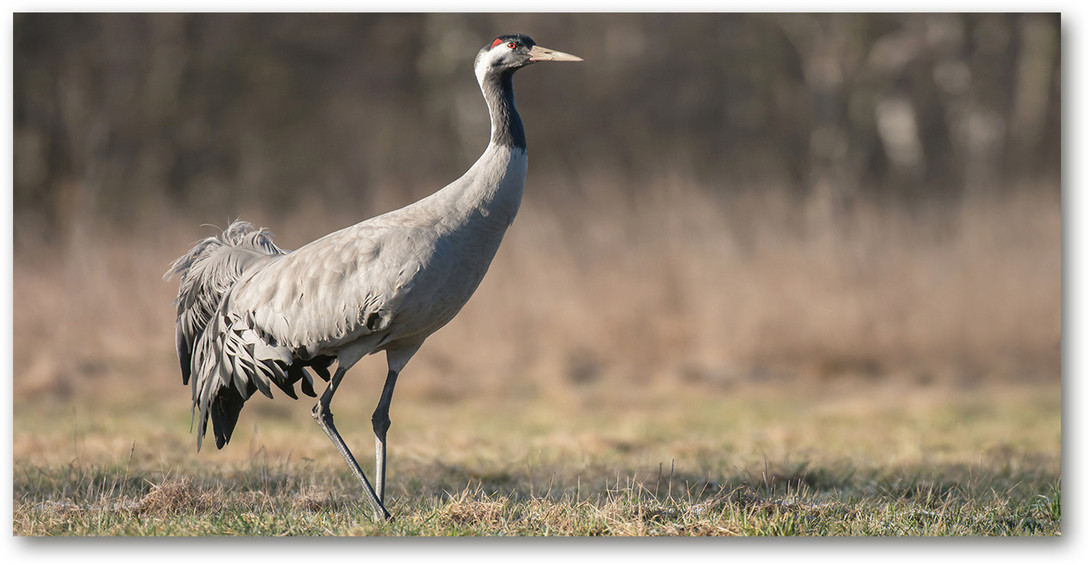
(875, 461)
(175, 496)
(672, 288)
(671, 365)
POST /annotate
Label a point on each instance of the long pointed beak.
(538, 53)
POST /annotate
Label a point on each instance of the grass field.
(866, 459)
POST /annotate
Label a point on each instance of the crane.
(251, 315)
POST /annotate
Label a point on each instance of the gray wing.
(335, 290)
(293, 309)
(207, 272)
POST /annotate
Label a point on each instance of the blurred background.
(713, 200)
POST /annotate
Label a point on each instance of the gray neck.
(506, 128)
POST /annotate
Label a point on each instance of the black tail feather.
(321, 364)
(227, 405)
(224, 413)
(294, 374)
(185, 355)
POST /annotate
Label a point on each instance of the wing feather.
(338, 283)
(251, 315)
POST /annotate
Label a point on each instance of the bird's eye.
(511, 45)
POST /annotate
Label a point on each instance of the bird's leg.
(323, 416)
(380, 419)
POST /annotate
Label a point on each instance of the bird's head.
(508, 53)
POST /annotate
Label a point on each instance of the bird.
(251, 315)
